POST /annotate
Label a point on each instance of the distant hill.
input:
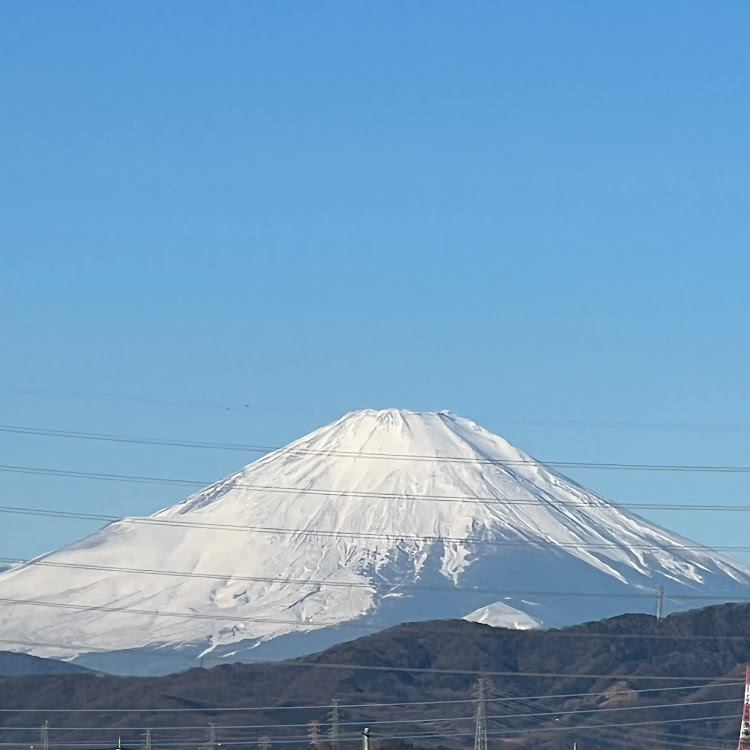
(600, 667)
(12, 665)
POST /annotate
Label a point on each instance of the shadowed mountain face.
(380, 518)
(605, 662)
(22, 664)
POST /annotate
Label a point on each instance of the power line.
(376, 723)
(363, 535)
(412, 720)
(427, 735)
(381, 668)
(644, 594)
(534, 730)
(497, 673)
(427, 720)
(299, 449)
(353, 625)
(582, 728)
(181, 615)
(533, 706)
(474, 499)
(318, 707)
(136, 440)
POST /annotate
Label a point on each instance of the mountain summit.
(378, 518)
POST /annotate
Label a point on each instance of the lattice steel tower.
(744, 743)
(313, 733)
(334, 731)
(480, 715)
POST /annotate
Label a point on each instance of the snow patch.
(501, 615)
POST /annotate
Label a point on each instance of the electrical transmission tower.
(210, 737)
(334, 719)
(480, 715)
(264, 743)
(45, 735)
(147, 740)
(660, 603)
(313, 732)
(744, 743)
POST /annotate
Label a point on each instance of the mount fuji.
(378, 518)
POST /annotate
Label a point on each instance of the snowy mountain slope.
(386, 513)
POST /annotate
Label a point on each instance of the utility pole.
(744, 743)
(264, 743)
(480, 715)
(365, 739)
(660, 603)
(45, 735)
(147, 740)
(334, 730)
(313, 730)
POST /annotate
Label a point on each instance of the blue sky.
(532, 214)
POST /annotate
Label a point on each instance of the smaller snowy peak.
(501, 615)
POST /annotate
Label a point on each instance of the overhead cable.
(373, 705)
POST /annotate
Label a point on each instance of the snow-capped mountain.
(378, 518)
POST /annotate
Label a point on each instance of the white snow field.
(379, 518)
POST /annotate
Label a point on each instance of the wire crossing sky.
(233, 223)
